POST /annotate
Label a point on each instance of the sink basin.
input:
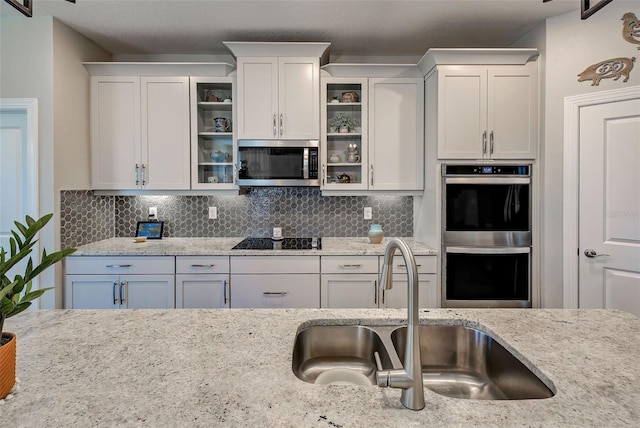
(463, 362)
(457, 361)
(340, 348)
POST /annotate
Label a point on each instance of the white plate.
(273, 238)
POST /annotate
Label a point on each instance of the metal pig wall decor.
(610, 68)
(615, 67)
(631, 28)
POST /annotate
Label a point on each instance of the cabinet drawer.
(99, 265)
(275, 264)
(202, 264)
(425, 264)
(275, 291)
(349, 264)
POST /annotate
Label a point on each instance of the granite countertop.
(222, 246)
(157, 368)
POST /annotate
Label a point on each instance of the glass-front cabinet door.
(344, 133)
(213, 145)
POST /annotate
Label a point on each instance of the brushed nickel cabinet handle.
(115, 299)
(225, 291)
(122, 284)
(275, 293)
(118, 266)
(484, 142)
(281, 126)
(135, 174)
(275, 130)
(491, 143)
(354, 266)
(144, 174)
(202, 266)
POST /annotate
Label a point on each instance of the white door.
(18, 164)
(609, 232)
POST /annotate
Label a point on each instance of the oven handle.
(487, 180)
(488, 250)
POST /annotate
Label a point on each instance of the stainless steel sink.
(349, 347)
(457, 361)
(462, 362)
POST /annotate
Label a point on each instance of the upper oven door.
(278, 163)
(487, 210)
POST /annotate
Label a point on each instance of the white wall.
(26, 49)
(71, 155)
(28, 70)
(571, 46)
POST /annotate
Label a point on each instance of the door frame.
(571, 183)
(29, 106)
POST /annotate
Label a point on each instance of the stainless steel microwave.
(278, 163)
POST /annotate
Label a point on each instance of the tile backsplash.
(300, 211)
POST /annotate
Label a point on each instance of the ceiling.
(354, 28)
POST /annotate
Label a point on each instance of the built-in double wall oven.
(486, 235)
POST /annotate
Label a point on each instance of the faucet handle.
(378, 362)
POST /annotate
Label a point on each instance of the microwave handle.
(305, 163)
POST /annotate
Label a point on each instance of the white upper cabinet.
(487, 112)
(278, 98)
(383, 146)
(165, 132)
(116, 149)
(396, 135)
(140, 132)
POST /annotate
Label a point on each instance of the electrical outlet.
(213, 213)
(153, 212)
(368, 213)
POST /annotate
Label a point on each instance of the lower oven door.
(479, 277)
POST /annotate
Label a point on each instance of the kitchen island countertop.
(158, 368)
(223, 246)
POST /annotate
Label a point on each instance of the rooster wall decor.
(631, 28)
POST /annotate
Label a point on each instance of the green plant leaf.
(18, 308)
(17, 295)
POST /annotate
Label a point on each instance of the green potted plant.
(342, 123)
(16, 294)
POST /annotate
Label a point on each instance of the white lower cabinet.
(275, 281)
(202, 282)
(143, 282)
(397, 296)
(428, 290)
(120, 291)
(349, 282)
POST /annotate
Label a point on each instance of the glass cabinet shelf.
(213, 144)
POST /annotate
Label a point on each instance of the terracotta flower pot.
(7, 365)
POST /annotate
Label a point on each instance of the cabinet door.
(349, 291)
(115, 132)
(396, 134)
(149, 291)
(257, 98)
(397, 296)
(92, 292)
(513, 111)
(202, 291)
(299, 98)
(275, 291)
(462, 112)
(165, 133)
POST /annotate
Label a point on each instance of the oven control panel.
(521, 170)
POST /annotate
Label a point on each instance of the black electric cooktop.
(283, 244)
